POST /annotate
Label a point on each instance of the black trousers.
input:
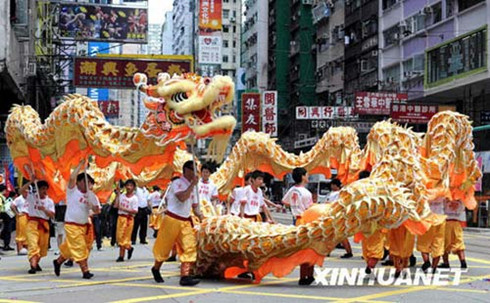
(141, 223)
(97, 230)
(113, 225)
(6, 234)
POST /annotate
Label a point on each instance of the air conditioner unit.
(402, 23)
(396, 36)
(31, 69)
(232, 19)
(428, 10)
(374, 53)
(364, 66)
(307, 2)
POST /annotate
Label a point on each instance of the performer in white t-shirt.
(207, 189)
(233, 205)
(19, 207)
(127, 205)
(80, 201)
(453, 239)
(252, 200)
(156, 218)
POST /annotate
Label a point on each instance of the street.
(131, 281)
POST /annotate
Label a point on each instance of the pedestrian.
(177, 227)
(6, 233)
(141, 218)
(207, 189)
(80, 200)
(19, 207)
(40, 210)
(127, 205)
(335, 186)
(300, 199)
(156, 216)
(252, 200)
(453, 240)
(432, 242)
(233, 206)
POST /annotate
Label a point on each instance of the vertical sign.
(94, 48)
(210, 14)
(250, 112)
(269, 113)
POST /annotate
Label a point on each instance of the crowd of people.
(82, 220)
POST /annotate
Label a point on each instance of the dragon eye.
(179, 97)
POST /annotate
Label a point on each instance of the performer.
(156, 217)
(432, 242)
(141, 218)
(128, 207)
(335, 186)
(40, 210)
(177, 227)
(300, 199)
(253, 200)
(207, 189)
(453, 240)
(402, 243)
(233, 206)
(19, 207)
(80, 200)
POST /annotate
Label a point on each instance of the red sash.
(175, 216)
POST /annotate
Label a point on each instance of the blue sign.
(94, 48)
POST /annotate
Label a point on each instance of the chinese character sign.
(118, 73)
(210, 49)
(251, 112)
(110, 109)
(210, 14)
(368, 103)
(269, 113)
(302, 113)
(485, 117)
(413, 113)
(324, 112)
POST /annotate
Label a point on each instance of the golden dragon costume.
(408, 169)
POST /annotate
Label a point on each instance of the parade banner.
(269, 113)
(210, 15)
(250, 112)
(103, 22)
(108, 72)
(109, 108)
(324, 112)
(368, 103)
(413, 113)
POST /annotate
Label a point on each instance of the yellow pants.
(124, 230)
(76, 242)
(373, 246)
(453, 237)
(156, 219)
(181, 233)
(432, 241)
(401, 242)
(20, 229)
(37, 238)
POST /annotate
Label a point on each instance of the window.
(391, 35)
(234, 28)
(392, 74)
(226, 13)
(225, 58)
(464, 4)
(225, 29)
(433, 14)
(226, 1)
(234, 43)
(225, 43)
(234, 59)
(234, 13)
(388, 3)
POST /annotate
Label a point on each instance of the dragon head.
(188, 104)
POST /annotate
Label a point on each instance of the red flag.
(8, 184)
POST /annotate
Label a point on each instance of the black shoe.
(32, 271)
(38, 268)
(463, 264)
(57, 268)
(130, 253)
(385, 254)
(87, 275)
(413, 261)
(156, 275)
(188, 281)
(247, 275)
(368, 270)
(444, 265)
(172, 259)
(69, 263)
(155, 234)
(425, 266)
(397, 274)
(387, 263)
(144, 243)
(6, 248)
(346, 256)
(120, 259)
(306, 281)
(339, 246)
(133, 243)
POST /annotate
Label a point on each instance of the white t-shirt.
(21, 204)
(253, 201)
(437, 206)
(207, 190)
(33, 206)
(455, 210)
(299, 198)
(154, 199)
(128, 203)
(174, 205)
(236, 196)
(142, 194)
(334, 195)
(78, 205)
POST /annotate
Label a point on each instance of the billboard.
(250, 112)
(413, 113)
(210, 15)
(210, 49)
(109, 108)
(103, 22)
(117, 72)
(269, 113)
(368, 103)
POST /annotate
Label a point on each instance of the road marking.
(272, 294)
(16, 301)
(163, 297)
(157, 286)
(478, 260)
(463, 290)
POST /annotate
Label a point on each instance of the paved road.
(131, 281)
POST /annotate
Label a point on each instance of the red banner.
(118, 73)
(269, 113)
(413, 113)
(368, 103)
(210, 14)
(110, 108)
(250, 112)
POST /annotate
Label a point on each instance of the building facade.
(154, 39)
(231, 33)
(168, 34)
(183, 22)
